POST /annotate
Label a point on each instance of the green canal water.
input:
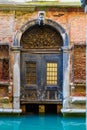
(42, 122)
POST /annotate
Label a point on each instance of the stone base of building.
(73, 112)
(14, 111)
(74, 105)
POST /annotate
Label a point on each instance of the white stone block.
(69, 0)
(16, 103)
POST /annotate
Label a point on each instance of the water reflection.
(39, 122)
(74, 123)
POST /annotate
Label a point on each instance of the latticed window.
(43, 37)
(51, 75)
(30, 73)
(4, 62)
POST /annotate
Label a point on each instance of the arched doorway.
(42, 64)
(42, 51)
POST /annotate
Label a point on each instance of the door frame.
(17, 49)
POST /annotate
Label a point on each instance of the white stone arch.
(49, 22)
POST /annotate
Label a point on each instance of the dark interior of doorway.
(34, 108)
(50, 108)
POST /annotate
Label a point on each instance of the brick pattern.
(79, 90)
(77, 28)
(6, 28)
(4, 62)
(79, 63)
(4, 70)
(1, 64)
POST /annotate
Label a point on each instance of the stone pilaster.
(16, 78)
(66, 75)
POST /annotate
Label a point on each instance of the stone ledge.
(66, 111)
(32, 5)
(3, 110)
(78, 99)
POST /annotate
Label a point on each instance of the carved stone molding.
(15, 48)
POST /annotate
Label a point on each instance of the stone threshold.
(76, 99)
(16, 111)
(76, 111)
(42, 102)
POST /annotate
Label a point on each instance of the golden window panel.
(51, 73)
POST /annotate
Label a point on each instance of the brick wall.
(6, 27)
(72, 20)
(79, 63)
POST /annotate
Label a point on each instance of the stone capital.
(16, 48)
(67, 48)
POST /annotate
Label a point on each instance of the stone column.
(16, 78)
(66, 76)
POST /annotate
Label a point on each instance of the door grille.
(30, 73)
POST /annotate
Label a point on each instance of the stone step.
(3, 110)
(64, 111)
(78, 99)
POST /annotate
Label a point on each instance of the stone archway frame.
(16, 49)
(49, 22)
